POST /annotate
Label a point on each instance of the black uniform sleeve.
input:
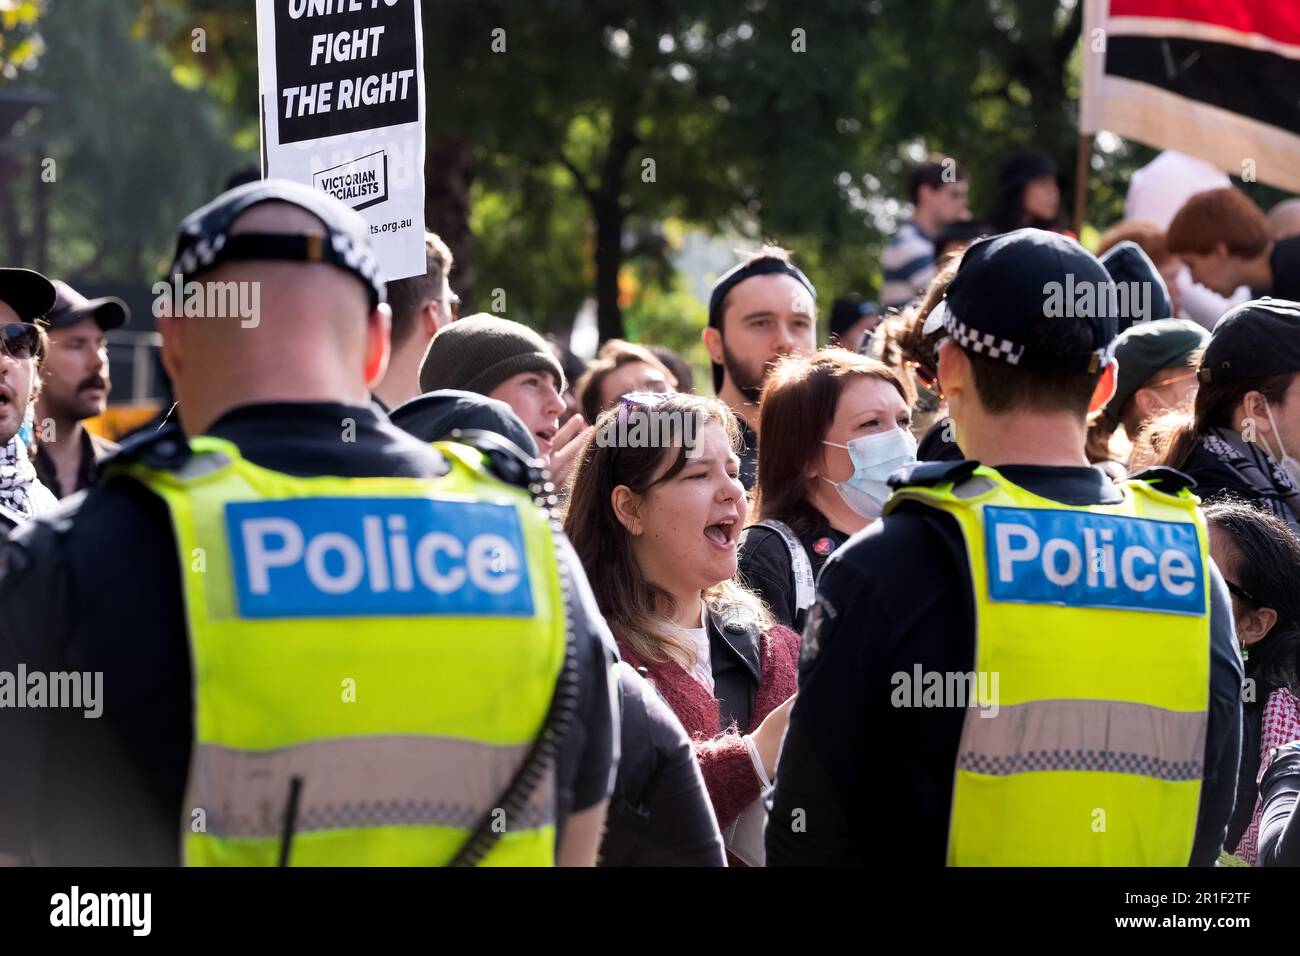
(588, 757)
(809, 823)
(1279, 823)
(34, 607)
(896, 594)
(1223, 735)
(765, 567)
(661, 814)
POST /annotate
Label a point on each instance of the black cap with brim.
(205, 240)
(28, 293)
(1257, 339)
(433, 416)
(1143, 295)
(1008, 289)
(71, 307)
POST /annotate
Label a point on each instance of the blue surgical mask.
(27, 430)
(875, 458)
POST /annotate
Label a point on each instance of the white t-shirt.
(703, 669)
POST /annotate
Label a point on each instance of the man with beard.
(758, 311)
(24, 297)
(76, 386)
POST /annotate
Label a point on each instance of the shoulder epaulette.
(506, 461)
(1168, 480)
(166, 447)
(925, 473)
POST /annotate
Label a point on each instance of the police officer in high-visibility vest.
(306, 637)
(1021, 663)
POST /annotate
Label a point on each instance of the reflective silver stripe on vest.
(359, 782)
(1104, 735)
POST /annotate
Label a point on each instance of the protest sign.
(342, 85)
(1215, 79)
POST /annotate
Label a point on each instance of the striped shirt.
(908, 263)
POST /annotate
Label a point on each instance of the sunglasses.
(639, 402)
(1189, 393)
(21, 340)
(453, 306)
(1242, 593)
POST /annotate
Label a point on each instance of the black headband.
(767, 265)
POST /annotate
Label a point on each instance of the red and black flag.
(1217, 79)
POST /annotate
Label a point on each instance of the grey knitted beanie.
(479, 352)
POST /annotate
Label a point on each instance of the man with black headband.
(760, 310)
(280, 597)
(1022, 663)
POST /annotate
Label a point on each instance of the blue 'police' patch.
(1084, 559)
(377, 557)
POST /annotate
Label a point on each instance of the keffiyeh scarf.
(1258, 471)
(20, 489)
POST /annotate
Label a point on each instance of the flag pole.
(1081, 169)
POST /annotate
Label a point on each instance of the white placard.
(342, 86)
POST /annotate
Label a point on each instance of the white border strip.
(1162, 119)
(1192, 30)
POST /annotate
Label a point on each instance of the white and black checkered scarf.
(1259, 471)
(20, 489)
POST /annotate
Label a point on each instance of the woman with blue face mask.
(833, 426)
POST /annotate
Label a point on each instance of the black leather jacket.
(1279, 824)
(659, 813)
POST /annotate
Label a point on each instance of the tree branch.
(1064, 44)
(578, 178)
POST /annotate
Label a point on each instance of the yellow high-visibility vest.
(378, 653)
(1093, 625)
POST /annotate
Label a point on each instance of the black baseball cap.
(204, 241)
(1255, 340)
(847, 311)
(1013, 290)
(70, 307)
(1133, 270)
(28, 293)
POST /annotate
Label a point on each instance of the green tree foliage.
(564, 134)
(21, 43)
(133, 150)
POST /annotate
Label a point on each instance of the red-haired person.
(1226, 241)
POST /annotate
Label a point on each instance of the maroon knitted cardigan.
(724, 759)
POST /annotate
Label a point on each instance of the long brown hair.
(635, 609)
(1216, 403)
(795, 412)
(613, 355)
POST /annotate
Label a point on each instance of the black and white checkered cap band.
(1004, 350)
(337, 248)
(973, 340)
